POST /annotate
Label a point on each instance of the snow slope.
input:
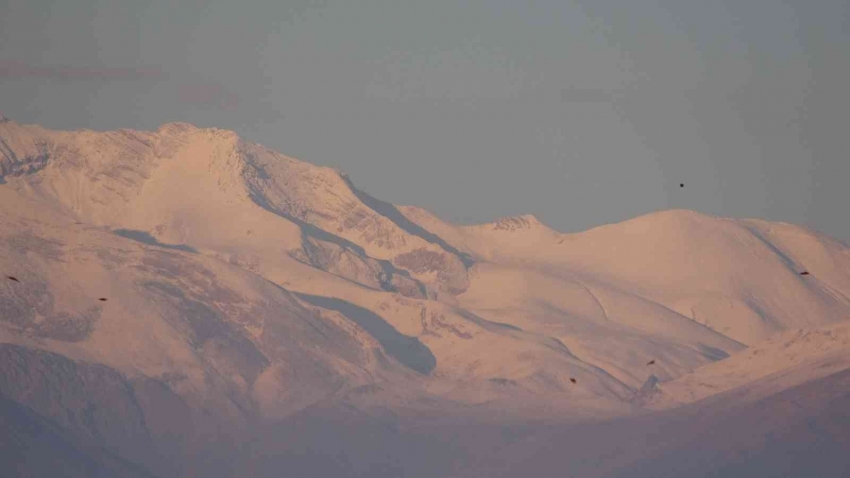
(783, 361)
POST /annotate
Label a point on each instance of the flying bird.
(681, 185)
(572, 380)
(651, 362)
(12, 278)
(102, 299)
(804, 273)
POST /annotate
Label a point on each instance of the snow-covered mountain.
(781, 362)
(245, 288)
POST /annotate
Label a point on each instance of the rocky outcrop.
(447, 269)
(515, 223)
(20, 156)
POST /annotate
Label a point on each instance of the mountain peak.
(680, 214)
(672, 216)
(663, 222)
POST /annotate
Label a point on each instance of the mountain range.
(188, 303)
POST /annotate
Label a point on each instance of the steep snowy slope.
(610, 327)
(740, 278)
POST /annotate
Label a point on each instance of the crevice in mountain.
(547, 341)
(755, 305)
(835, 293)
(311, 230)
(390, 212)
(713, 353)
(595, 299)
(790, 263)
(409, 351)
(146, 238)
(692, 317)
(490, 325)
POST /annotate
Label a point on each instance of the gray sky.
(580, 112)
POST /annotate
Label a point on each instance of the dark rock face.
(11, 165)
(142, 421)
(421, 261)
(32, 445)
(92, 399)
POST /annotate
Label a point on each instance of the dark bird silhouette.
(651, 362)
(572, 380)
(681, 185)
(102, 299)
(12, 278)
(804, 273)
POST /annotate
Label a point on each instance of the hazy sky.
(580, 112)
